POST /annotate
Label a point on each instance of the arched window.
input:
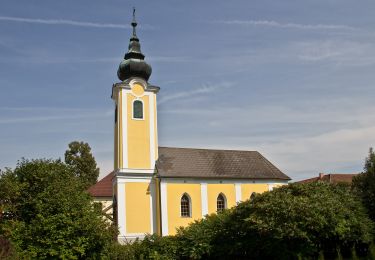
(185, 206)
(221, 203)
(138, 109)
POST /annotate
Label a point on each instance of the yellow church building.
(157, 189)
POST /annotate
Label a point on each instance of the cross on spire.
(134, 23)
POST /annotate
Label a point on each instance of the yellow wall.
(248, 189)
(138, 136)
(137, 208)
(174, 194)
(213, 191)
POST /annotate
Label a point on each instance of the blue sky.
(291, 79)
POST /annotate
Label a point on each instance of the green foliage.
(364, 184)
(291, 222)
(46, 214)
(79, 156)
(151, 247)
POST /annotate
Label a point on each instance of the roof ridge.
(209, 149)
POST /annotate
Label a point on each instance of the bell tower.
(135, 144)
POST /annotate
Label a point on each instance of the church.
(155, 189)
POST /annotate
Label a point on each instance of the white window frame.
(225, 201)
(143, 109)
(190, 205)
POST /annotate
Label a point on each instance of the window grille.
(185, 206)
(138, 109)
(220, 202)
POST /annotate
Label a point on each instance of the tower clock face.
(138, 90)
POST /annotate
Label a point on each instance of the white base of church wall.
(129, 238)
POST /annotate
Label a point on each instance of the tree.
(79, 157)
(46, 214)
(297, 221)
(289, 222)
(364, 184)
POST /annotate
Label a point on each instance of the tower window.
(185, 206)
(138, 109)
(220, 203)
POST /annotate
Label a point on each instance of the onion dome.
(133, 64)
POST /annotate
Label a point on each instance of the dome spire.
(133, 64)
(134, 24)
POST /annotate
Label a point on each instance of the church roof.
(332, 178)
(204, 163)
(102, 188)
(219, 164)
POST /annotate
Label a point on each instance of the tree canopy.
(290, 222)
(364, 184)
(79, 156)
(47, 214)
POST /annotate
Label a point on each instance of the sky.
(291, 79)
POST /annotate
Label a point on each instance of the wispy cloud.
(341, 52)
(169, 59)
(205, 89)
(68, 22)
(271, 23)
(15, 115)
(301, 138)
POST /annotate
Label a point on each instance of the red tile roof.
(331, 178)
(102, 188)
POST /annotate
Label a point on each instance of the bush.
(151, 247)
(291, 222)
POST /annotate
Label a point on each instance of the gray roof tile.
(207, 163)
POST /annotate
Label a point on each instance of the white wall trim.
(124, 121)
(164, 208)
(156, 143)
(222, 181)
(133, 180)
(152, 130)
(204, 199)
(152, 208)
(129, 237)
(238, 191)
(130, 170)
(121, 208)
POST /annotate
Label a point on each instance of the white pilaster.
(164, 209)
(238, 192)
(152, 130)
(121, 209)
(152, 207)
(204, 199)
(124, 120)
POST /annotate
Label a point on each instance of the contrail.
(287, 25)
(64, 22)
